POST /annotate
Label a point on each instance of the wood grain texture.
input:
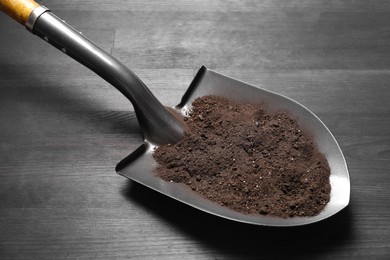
(19, 10)
(63, 129)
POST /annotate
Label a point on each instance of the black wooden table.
(63, 129)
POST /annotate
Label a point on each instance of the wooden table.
(63, 129)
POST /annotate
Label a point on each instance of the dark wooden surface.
(63, 129)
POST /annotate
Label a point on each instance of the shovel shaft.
(19, 10)
(158, 123)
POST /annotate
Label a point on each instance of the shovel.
(163, 125)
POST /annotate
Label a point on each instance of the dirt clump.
(249, 160)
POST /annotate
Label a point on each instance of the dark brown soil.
(246, 159)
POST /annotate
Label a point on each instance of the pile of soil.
(249, 160)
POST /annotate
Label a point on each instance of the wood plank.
(63, 129)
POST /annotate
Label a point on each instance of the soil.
(249, 160)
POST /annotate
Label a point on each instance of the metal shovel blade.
(140, 166)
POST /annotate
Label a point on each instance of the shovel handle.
(19, 10)
(158, 123)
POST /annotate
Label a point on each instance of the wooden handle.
(19, 10)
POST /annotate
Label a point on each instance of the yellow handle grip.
(19, 10)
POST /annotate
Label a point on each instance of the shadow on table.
(33, 92)
(238, 240)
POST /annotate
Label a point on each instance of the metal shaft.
(159, 125)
